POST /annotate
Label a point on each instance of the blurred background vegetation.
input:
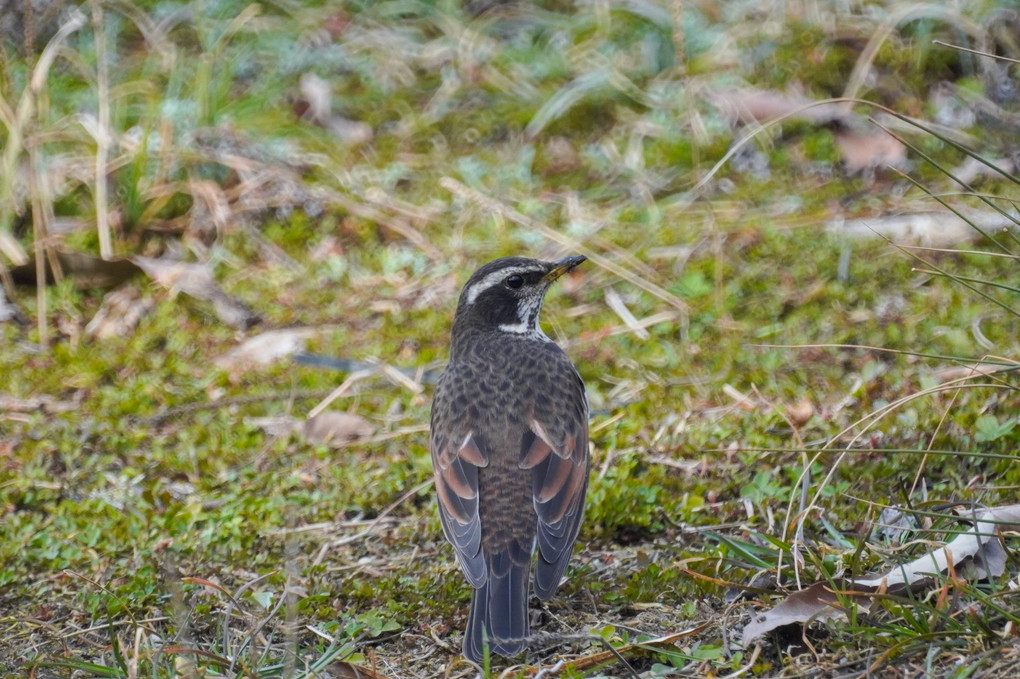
(798, 326)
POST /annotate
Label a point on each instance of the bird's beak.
(562, 266)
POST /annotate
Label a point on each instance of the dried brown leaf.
(975, 545)
(818, 602)
(865, 150)
(978, 553)
(345, 670)
(934, 229)
(334, 427)
(750, 105)
(276, 425)
(197, 281)
(120, 314)
(265, 348)
(800, 412)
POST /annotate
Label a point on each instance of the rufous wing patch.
(457, 481)
(469, 452)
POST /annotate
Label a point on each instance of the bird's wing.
(555, 448)
(456, 456)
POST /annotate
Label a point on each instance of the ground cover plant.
(232, 236)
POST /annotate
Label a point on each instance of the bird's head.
(506, 294)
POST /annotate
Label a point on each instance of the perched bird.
(509, 444)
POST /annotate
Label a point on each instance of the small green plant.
(137, 649)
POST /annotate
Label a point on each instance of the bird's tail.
(499, 610)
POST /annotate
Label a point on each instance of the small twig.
(230, 609)
(116, 623)
(371, 527)
(378, 438)
(340, 391)
(190, 408)
(619, 307)
(546, 640)
(977, 52)
(127, 609)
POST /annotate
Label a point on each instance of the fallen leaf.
(121, 312)
(934, 229)
(197, 281)
(265, 348)
(345, 670)
(278, 425)
(865, 151)
(561, 156)
(336, 428)
(817, 602)
(978, 553)
(800, 412)
(749, 105)
(976, 544)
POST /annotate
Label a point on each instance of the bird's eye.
(514, 281)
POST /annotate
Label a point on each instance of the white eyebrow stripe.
(494, 278)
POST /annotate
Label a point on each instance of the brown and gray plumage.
(509, 444)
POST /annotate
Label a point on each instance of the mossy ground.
(129, 535)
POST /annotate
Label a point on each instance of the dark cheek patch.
(498, 309)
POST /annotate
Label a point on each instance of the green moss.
(109, 514)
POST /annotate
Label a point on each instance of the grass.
(786, 392)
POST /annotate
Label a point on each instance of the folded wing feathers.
(457, 489)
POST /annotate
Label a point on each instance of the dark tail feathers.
(500, 608)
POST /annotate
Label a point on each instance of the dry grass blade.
(352, 379)
(864, 423)
(691, 194)
(980, 53)
(395, 224)
(103, 138)
(901, 15)
(17, 124)
(591, 662)
(265, 348)
(616, 303)
(824, 600)
(372, 526)
(493, 205)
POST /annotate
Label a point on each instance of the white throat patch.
(527, 325)
(526, 330)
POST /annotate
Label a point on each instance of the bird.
(509, 447)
